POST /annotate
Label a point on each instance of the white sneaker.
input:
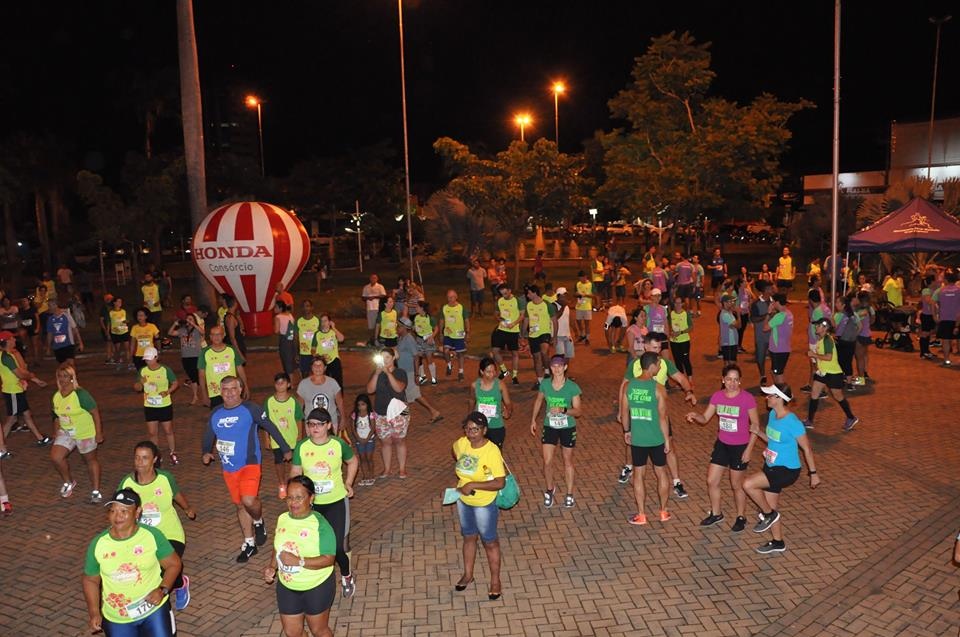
(66, 490)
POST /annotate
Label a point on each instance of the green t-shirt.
(154, 382)
(328, 347)
(561, 398)
(218, 365)
(158, 509)
(305, 537)
(129, 570)
(643, 413)
(454, 319)
(538, 317)
(286, 415)
(508, 311)
(324, 465)
(490, 403)
(306, 328)
(73, 412)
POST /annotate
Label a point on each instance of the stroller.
(897, 323)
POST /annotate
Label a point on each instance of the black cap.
(126, 497)
(319, 414)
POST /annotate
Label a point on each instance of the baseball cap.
(726, 298)
(127, 497)
(557, 359)
(6, 336)
(561, 290)
(404, 321)
(781, 389)
(823, 320)
(149, 354)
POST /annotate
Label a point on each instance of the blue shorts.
(480, 521)
(365, 446)
(159, 622)
(456, 344)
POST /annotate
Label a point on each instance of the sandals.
(462, 587)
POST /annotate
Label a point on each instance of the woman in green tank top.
(492, 399)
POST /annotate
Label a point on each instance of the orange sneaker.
(638, 520)
(665, 515)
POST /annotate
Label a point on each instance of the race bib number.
(770, 456)
(557, 421)
(728, 424)
(487, 409)
(226, 447)
(287, 569)
(60, 338)
(155, 401)
(321, 487)
(139, 609)
(221, 368)
(658, 328)
(151, 518)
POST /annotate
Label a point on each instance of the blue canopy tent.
(919, 226)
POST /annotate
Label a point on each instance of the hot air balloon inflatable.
(244, 249)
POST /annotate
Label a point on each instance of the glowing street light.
(558, 89)
(523, 120)
(252, 101)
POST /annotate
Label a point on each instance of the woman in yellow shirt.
(142, 336)
(480, 474)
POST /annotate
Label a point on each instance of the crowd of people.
(322, 449)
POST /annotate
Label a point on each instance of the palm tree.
(191, 109)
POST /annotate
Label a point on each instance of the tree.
(521, 186)
(686, 150)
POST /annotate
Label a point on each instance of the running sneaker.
(850, 423)
(625, 472)
(766, 521)
(460, 375)
(806, 389)
(260, 533)
(449, 367)
(773, 546)
(433, 381)
(347, 586)
(7, 508)
(19, 427)
(548, 497)
(96, 497)
(711, 519)
(246, 552)
(66, 490)
(568, 501)
(43, 442)
(927, 356)
(502, 374)
(808, 424)
(739, 524)
(665, 515)
(421, 380)
(5, 454)
(515, 380)
(282, 491)
(181, 596)
(637, 520)
(680, 492)
(174, 460)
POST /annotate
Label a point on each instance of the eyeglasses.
(316, 423)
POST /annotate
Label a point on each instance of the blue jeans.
(479, 520)
(159, 623)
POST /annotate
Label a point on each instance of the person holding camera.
(389, 382)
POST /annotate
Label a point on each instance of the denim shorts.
(479, 520)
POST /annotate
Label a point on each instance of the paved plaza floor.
(868, 552)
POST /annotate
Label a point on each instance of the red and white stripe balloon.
(244, 249)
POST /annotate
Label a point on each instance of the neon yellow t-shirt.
(324, 465)
(286, 415)
(129, 570)
(306, 537)
(73, 412)
(388, 324)
(151, 296)
(144, 336)
(538, 315)
(157, 499)
(477, 465)
(9, 383)
(218, 365)
(118, 322)
(327, 346)
(585, 300)
(154, 382)
(509, 311)
(454, 317)
(306, 328)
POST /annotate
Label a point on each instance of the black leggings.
(681, 355)
(742, 330)
(845, 350)
(179, 548)
(335, 371)
(336, 514)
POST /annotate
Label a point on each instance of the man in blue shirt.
(63, 337)
(234, 426)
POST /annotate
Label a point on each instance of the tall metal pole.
(359, 244)
(406, 143)
(556, 116)
(834, 229)
(263, 169)
(933, 98)
(103, 274)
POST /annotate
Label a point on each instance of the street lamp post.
(558, 88)
(522, 120)
(406, 145)
(938, 22)
(253, 101)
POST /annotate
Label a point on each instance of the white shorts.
(564, 347)
(70, 443)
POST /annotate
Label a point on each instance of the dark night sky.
(329, 70)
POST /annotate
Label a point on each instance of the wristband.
(302, 562)
(626, 431)
(810, 473)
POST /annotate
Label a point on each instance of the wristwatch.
(302, 562)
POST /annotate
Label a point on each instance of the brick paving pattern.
(868, 551)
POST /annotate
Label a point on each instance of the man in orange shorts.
(239, 450)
